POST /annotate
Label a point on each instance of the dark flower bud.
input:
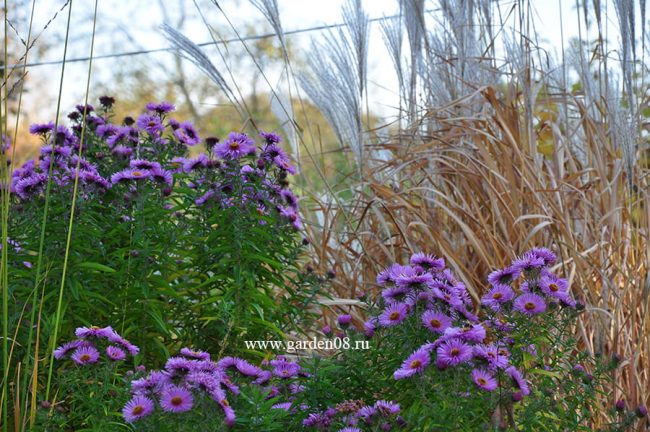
(517, 396)
(641, 411)
(74, 116)
(400, 421)
(616, 360)
(620, 405)
(331, 274)
(580, 305)
(106, 101)
(305, 241)
(45, 404)
(167, 191)
(59, 408)
(261, 163)
(211, 142)
(99, 155)
(128, 121)
(309, 269)
(134, 253)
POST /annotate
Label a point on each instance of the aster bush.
(91, 382)
(511, 364)
(172, 243)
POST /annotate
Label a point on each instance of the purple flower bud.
(620, 405)
(641, 411)
(344, 320)
(517, 396)
(327, 330)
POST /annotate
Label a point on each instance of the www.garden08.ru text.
(313, 344)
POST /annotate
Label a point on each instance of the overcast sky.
(133, 25)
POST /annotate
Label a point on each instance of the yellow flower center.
(84, 357)
(455, 351)
(137, 173)
(234, 145)
(177, 400)
(553, 287)
(435, 323)
(139, 409)
(393, 316)
(497, 295)
(529, 306)
(415, 364)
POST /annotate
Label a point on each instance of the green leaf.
(96, 266)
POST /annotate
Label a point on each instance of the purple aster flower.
(475, 333)
(518, 380)
(529, 304)
(179, 365)
(271, 137)
(150, 124)
(350, 429)
(201, 161)
(247, 369)
(61, 351)
(344, 320)
(176, 399)
(427, 262)
(41, 128)
(454, 352)
(137, 408)
(106, 130)
(282, 405)
(290, 214)
(528, 263)
(415, 363)
(497, 296)
(195, 354)
(160, 107)
(122, 151)
(410, 277)
(94, 331)
(236, 146)
(495, 357)
(553, 286)
(386, 408)
(130, 174)
(58, 151)
(393, 314)
(484, 380)
(545, 254)
(162, 176)
(289, 198)
(567, 300)
(85, 355)
(30, 185)
(369, 327)
(365, 413)
(286, 369)
(114, 353)
(152, 383)
(436, 321)
(504, 276)
(176, 164)
(395, 293)
(187, 134)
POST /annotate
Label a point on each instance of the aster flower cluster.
(538, 286)
(91, 341)
(355, 416)
(429, 295)
(153, 150)
(192, 377)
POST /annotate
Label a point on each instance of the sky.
(134, 25)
